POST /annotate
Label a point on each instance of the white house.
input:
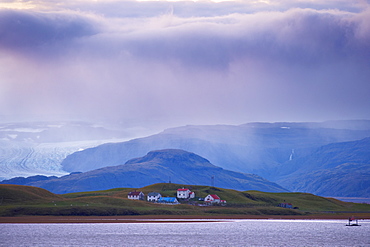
(134, 195)
(185, 193)
(153, 196)
(212, 199)
(191, 194)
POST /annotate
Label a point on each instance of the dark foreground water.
(230, 233)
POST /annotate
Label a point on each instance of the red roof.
(285, 203)
(182, 189)
(215, 197)
(134, 193)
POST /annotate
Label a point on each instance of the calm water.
(231, 233)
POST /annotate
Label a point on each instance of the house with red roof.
(185, 193)
(285, 205)
(136, 195)
(212, 198)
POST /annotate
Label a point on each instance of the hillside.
(304, 201)
(35, 201)
(258, 148)
(156, 167)
(278, 152)
(17, 194)
(338, 169)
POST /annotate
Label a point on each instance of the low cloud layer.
(181, 63)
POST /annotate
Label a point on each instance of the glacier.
(38, 148)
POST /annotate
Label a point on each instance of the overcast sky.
(171, 63)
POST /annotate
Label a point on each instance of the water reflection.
(222, 233)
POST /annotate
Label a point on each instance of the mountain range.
(259, 148)
(159, 166)
(341, 167)
(328, 158)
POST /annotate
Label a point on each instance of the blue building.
(168, 200)
(285, 205)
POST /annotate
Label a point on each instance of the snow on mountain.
(156, 167)
(38, 148)
(270, 150)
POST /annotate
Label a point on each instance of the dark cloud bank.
(292, 65)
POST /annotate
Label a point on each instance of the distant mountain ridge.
(156, 167)
(266, 149)
(259, 148)
(310, 157)
(337, 169)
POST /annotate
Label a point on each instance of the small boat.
(350, 219)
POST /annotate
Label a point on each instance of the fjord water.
(229, 233)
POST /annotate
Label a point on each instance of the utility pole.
(213, 181)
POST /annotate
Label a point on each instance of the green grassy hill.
(18, 194)
(25, 200)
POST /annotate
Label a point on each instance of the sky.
(172, 63)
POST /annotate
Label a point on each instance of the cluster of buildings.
(285, 205)
(182, 193)
(185, 194)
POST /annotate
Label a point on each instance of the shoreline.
(171, 218)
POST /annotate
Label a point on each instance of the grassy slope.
(18, 194)
(26, 200)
